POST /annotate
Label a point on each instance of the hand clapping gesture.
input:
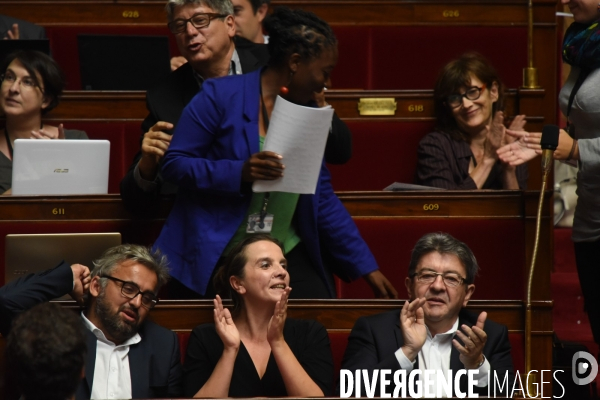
(473, 338)
(225, 326)
(414, 331)
(277, 322)
(49, 133)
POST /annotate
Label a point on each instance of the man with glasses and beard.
(128, 357)
(434, 331)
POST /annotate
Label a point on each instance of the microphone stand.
(546, 164)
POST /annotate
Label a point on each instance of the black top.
(443, 162)
(307, 339)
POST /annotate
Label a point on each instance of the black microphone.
(549, 143)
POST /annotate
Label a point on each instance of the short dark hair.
(45, 352)
(296, 31)
(456, 74)
(234, 266)
(36, 62)
(257, 3)
(444, 243)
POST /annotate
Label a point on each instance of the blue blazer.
(217, 132)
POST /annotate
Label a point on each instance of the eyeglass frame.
(155, 300)
(35, 85)
(464, 96)
(463, 281)
(210, 16)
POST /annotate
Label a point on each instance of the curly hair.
(46, 351)
(296, 31)
(455, 75)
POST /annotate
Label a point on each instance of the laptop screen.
(10, 46)
(33, 253)
(60, 167)
(122, 62)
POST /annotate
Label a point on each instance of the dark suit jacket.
(27, 30)
(154, 364)
(24, 293)
(374, 340)
(166, 102)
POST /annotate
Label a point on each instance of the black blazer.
(26, 292)
(374, 339)
(154, 363)
(27, 30)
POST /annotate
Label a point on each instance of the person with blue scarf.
(578, 143)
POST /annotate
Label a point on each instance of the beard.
(115, 325)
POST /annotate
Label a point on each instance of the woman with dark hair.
(461, 153)
(216, 154)
(31, 86)
(255, 350)
(578, 144)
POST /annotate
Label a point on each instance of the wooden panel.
(412, 105)
(365, 12)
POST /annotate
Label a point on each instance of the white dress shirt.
(112, 378)
(435, 355)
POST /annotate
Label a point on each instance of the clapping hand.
(225, 326)
(277, 322)
(473, 339)
(414, 330)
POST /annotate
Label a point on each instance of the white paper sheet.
(299, 134)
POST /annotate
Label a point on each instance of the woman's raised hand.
(49, 133)
(225, 326)
(495, 135)
(524, 148)
(265, 165)
(275, 329)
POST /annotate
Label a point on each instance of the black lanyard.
(583, 73)
(263, 211)
(8, 143)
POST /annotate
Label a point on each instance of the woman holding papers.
(461, 153)
(31, 85)
(216, 155)
(254, 350)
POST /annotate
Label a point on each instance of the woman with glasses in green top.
(461, 152)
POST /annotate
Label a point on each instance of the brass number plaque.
(131, 14)
(58, 211)
(416, 108)
(431, 207)
(377, 106)
(450, 13)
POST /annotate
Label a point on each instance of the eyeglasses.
(455, 100)
(451, 279)
(198, 21)
(131, 290)
(26, 83)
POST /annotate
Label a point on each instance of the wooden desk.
(390, 222)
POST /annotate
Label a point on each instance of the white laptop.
(60, 167)
(27, 253)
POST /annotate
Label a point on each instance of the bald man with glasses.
(434, 331)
